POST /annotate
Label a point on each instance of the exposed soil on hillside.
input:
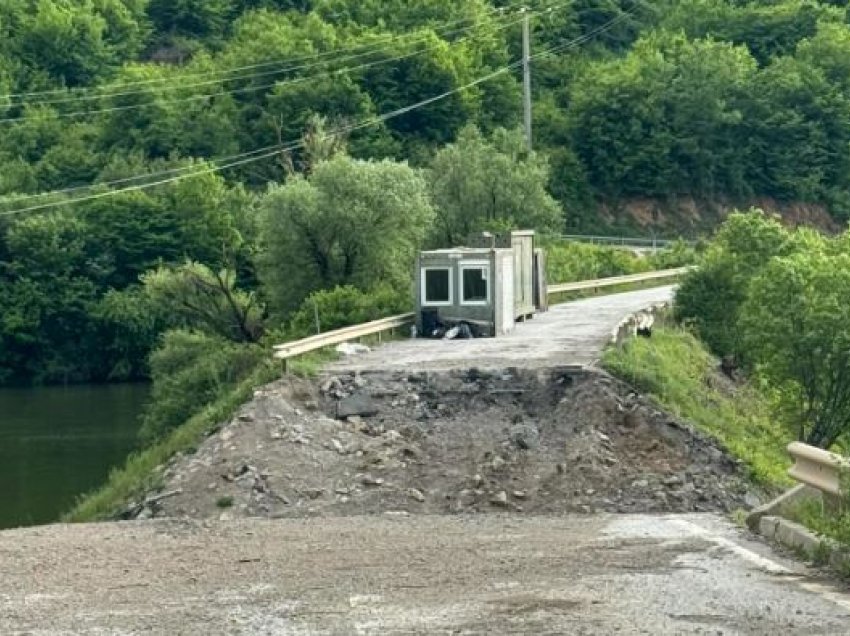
(691, 217)
(532, 442)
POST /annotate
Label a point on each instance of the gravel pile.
(532, 442)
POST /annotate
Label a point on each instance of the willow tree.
(349, 222)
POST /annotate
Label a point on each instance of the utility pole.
(526, 74)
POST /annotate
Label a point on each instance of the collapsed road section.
(545, 441)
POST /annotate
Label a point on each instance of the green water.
(59, 442)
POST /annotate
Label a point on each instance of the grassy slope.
(139, 474)
(676, 370)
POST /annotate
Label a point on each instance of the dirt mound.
(460, 442)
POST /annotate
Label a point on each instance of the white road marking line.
(748, 555)
(766, 564)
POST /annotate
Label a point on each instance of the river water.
(57, 443)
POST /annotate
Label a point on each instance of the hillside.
(139, 134)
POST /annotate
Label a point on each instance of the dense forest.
(226, 166)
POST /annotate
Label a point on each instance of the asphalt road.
(684, 574)
(570, 333)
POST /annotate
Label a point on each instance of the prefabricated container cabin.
(489, 285)
(471, 285)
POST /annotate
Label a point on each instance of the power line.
(249, 89)
(313, 57)
(95, 93)
(264, 153)
(587, 36)
(221, 80)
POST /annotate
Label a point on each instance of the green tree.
(666, 119)
(710, 297)
(65, 39)
(191, 370)
(193, 18)
(350, 222)
(129, 324)
(796, 326)
(768, 29)
(206, 300)
(47, 295)
(479, 183)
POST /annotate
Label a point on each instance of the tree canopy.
(169, 132)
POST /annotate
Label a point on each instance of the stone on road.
(572, 333)
(627, 574)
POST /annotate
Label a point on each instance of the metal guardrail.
(623, 241)
(818, 468)
(617, 280)
(322, 340)
(290, 350)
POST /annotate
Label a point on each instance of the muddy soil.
(532, 442)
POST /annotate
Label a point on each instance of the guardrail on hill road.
(617, 280)
(289, 350)
(653, 243)
(817, 468)
(320, 341)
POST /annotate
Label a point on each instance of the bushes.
(568, 262)
(345, 306)
(191, 370)
(710, 298)
(775, 300)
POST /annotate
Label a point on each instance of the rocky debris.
(149, 506)
(356, 405)
(525, 437)
(500, 499)
(369, 480)
(415, 494)
(536, 442)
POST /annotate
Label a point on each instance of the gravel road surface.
(627, 574)
(570, 333)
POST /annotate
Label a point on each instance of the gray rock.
(525, 437)
(331, 384)
(369, 480)
(500, 499)
(359, 404)
(752, 500)
(415, 493)
(498, 463)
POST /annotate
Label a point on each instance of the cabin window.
(437, 286)
(475, 286)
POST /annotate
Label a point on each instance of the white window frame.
(424, 290)
(485, 267)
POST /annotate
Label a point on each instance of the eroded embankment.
(548, 441)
